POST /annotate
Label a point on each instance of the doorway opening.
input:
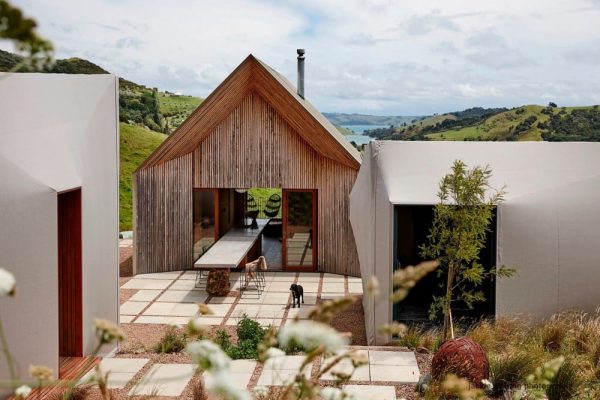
(411, 228)
(70, 310)
(286, 219)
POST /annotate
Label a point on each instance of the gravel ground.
(352, 320)
(125, 294)
(125, 261)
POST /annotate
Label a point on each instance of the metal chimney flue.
(300, 72)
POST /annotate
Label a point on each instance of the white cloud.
(384, 56)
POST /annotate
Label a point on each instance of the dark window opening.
(411, 228)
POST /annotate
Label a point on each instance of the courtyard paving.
(172, 298)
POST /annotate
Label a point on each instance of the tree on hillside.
(461, 222)
(14, 26)
(553, 105)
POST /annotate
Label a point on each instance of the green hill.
(138, 104)
(531, 122)
(137, 143)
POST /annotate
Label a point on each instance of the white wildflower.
(221, 384)
(261, 391)
(175, 325)
(310, 335)
(373, 286)
(274, 352)
(487, 384)
(22, 391)
(208, 356)
(7, 283)
(196, 327)
(332, 393)
(107, 331)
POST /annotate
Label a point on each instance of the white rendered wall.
(548, 227)
(58, 132)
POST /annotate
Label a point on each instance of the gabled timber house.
(255, 130)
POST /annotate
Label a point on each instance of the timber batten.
(263, 138)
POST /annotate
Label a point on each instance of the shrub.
(248, 329)
(411, 338)
(249, 333)
(553, 333)
(171, 342)
(566, 384)
(509, 369)
(223, 339)
(431, 340)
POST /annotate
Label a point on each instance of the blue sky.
(379, 57)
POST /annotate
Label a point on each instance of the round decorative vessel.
(462, 357)
(217, 282)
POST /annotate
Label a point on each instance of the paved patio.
(172, 298)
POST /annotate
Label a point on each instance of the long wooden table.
(231, 249)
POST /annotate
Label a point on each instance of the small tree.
(460, 224)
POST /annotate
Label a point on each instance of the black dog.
(297, 293)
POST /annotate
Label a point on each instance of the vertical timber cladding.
(255, 147)
(163, 225)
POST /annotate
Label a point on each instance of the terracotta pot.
(462, 357)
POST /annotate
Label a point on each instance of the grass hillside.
(176, 108)
(525, 123)
(138, 105)
(137, 143)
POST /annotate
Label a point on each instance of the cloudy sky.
(380, 57)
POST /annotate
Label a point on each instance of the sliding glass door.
(300, 229)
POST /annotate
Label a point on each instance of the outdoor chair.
(254, 273)
(251, 209)
(273, 205)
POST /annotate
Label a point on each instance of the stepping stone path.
(164, 380)
(121, 370)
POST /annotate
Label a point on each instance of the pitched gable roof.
(254, 75)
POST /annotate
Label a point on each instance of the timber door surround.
(70, 308)
(300, 230)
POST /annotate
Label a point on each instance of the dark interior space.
(411, 227)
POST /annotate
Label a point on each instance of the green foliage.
(566, 384)
(458, 233)
(21, 30)
(509, 369)
(250, 335)
(248, 329)
(223, 339)
(136, 144)
(172, 341)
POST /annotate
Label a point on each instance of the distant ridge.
(366, 119)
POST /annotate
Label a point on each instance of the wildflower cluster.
(311, 335)
(209, 357)
(107, 331)
(7, 283)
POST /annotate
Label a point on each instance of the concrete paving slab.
(164, 380)
(145, 295)
(132, 307)
(136, 283)
(371, 392)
